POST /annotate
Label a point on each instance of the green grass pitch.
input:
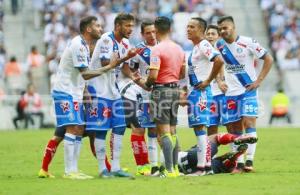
(277, 168)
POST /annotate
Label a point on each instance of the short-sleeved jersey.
(199, 62)
(142, 62)
(239, 59)
(68, 77)
(168, 58)
(109, 84)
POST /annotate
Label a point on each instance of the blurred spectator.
(38, 10)
(20, 107)
(2, 60)
(12, 68)
(14, 6)
(28, 106)
(283, 22)
(280, 106)
(34, 58)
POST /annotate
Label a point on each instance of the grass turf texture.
(277, 169)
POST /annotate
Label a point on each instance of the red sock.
(225, 138)
(49, 153)
(107, 164)
(139, 148)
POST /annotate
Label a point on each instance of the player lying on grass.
(187, 160)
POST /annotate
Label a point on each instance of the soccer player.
(137, 115)
(56, 139)
(239, 53)
(68, 91)
(187, 160)
(166, 68)
(201, 73)
(218, 88)
(106, 110)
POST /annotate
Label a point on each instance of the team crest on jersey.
(231, 105)
(123, 50)
(93, 112)
(239, 50)
(65, 106)
(106, 113)
(202, 104)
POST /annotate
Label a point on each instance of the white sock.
(116, 151)
(100, 153)
(77, 147)
(69, 148)
(201, 150)
(251, 147)
(153, 151)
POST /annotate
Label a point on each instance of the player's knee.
(138, 131)
(249, 122)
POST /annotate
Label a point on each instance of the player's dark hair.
(85, 22)
(13, 59)
(202, 22)
(121, 17)
(162, 24)
(211, 26)
(146, 23)
(225, 18)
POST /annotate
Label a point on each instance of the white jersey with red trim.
(239, 58)
(110, 83)
(68, 77)
(199, 62)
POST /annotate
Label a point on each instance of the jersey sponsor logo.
(93, 112)
(76, 106)
(65, 106)
(106, 113)
(235, 68)
(104, 49)
(231, 105)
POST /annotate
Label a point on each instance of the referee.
(166, 69)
